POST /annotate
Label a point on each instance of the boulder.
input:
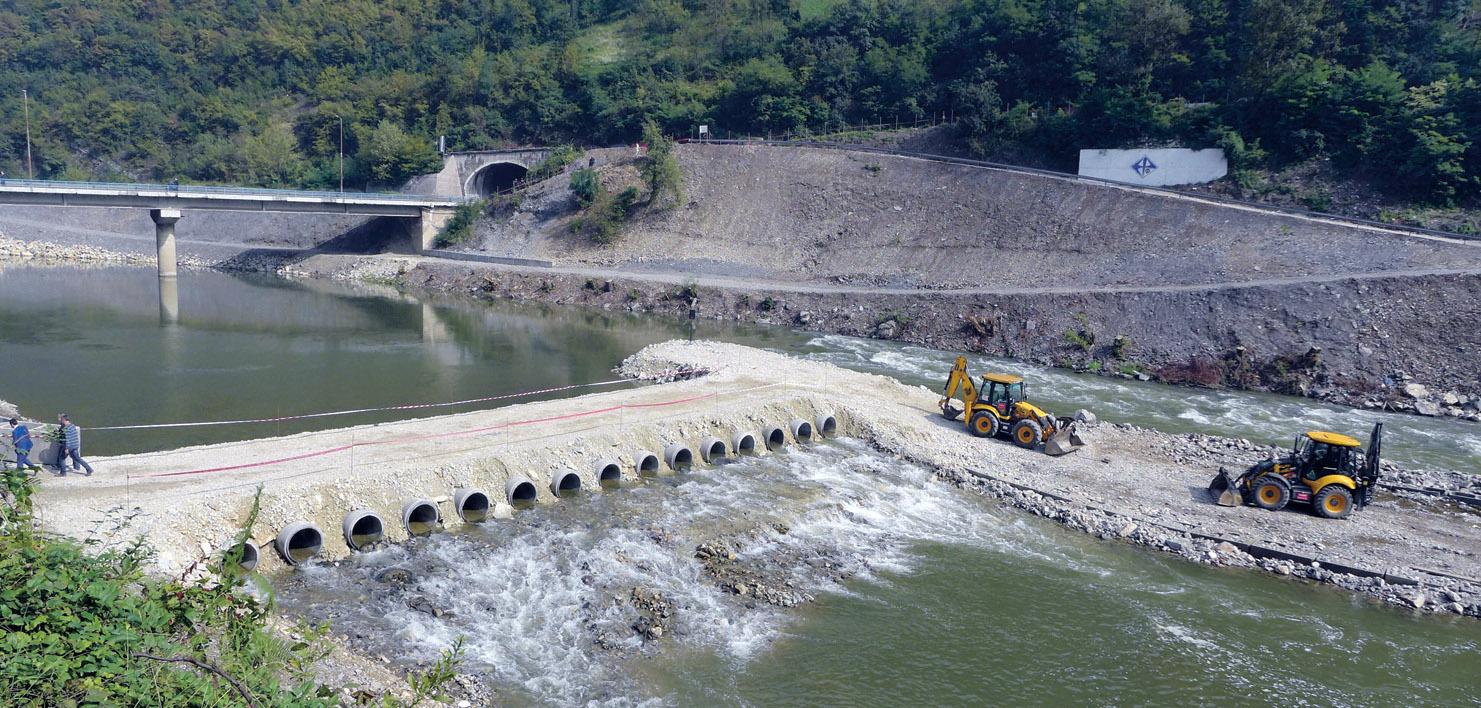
(1429, 408)
(1086, 417)
(1450, 398)
(1416, 391)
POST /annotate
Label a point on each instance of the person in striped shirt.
(71, 446)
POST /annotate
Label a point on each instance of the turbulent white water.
(1415, 442)
(529, 597)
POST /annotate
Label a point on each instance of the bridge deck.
(158, 196)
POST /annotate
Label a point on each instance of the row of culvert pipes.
(362, 528)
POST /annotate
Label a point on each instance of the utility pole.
(341, 153)
(26, 103)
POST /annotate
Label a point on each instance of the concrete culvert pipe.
(299, 542)
(646, 464)
(420, 517)
(245, 556)
(473, 505)
(713, 450)
(743, 444)
(825, 426)
(801, 431)
(776, 438)
(678, 457)
(521, 491)
(363, 528)
(609, 472)
(565, 482)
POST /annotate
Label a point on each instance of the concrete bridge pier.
(164, 239)
(169, 285)
(425, 228)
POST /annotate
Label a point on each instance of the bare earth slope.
(813, 215)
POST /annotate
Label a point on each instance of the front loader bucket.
(1225, 489)
(1063, 442)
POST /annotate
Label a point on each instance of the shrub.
(460, 227)
(586, 186)
(559, 157)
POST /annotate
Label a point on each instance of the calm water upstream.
(950, 599)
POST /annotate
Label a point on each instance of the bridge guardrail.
(139, 187)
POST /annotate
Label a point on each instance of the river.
(926, 595)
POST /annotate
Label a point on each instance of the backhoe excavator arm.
(959, 382)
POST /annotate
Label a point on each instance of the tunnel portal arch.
(495, 177)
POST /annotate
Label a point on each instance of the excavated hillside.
(1104, 278)
(828, 216)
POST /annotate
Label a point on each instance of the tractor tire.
(983, 424)
(1271, 492)
(1027, 434)
(1333, 502)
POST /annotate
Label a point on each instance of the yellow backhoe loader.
(1329, 471)
(1005, 409)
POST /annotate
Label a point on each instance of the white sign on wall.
(1159, 167)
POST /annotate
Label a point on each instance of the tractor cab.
(1003, 390)
(1319, 453)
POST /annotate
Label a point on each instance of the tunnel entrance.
(497, 177)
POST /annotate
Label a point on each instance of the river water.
(925, 594)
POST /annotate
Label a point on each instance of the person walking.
(71, 446)
(20, 437)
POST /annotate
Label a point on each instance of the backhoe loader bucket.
(1064, 441)
(1225, 489)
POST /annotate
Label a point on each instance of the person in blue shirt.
(71, 446)
(20, 437)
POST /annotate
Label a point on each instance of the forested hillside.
(249, 92)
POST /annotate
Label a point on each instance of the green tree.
(271, 157)
(392, 155)
(660, 168)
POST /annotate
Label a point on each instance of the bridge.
(426, 214)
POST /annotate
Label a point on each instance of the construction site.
(785, 427)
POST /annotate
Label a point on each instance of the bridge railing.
(136, 188)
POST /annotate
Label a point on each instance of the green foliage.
(768, 304)
(660, 167)
(460, 228)
(206, 91)
(559, 157)
(1083, 339)
(586, 186)
(1120, 346)
(82, 624)
(391, 154)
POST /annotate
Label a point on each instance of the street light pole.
(341, 153)
(26, 103)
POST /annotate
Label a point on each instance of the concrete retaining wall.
(1160, 167)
